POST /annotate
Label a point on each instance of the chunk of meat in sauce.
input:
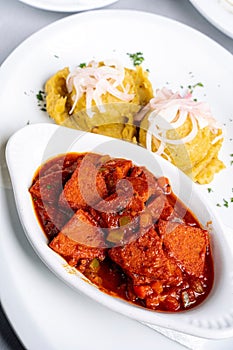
(80, 238)
(132, 194)
(144, 260)
(160, 207)
(86, 187)
(115, 170)
(49, 187)
(83, 229)
(122, 206)
(187, 244)
(51, 177)
(51, 218)
(153, 186)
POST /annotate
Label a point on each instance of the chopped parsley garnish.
(82, 65)
(40, 95)
(226, 203)
(209, 190)
(137, 58)
(192, 87)
(231, 162)
(41, 100)
(198, 84)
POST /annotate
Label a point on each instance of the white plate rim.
(65, 6)
(210, 16)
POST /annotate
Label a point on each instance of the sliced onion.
(220, 137)
(168, 104)
(185, 139)
(170, 111)
(95, 81)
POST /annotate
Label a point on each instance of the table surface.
(18, 21)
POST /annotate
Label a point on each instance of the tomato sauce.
(124, 230)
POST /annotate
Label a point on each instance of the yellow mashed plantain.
(117, 118)
(197, 158)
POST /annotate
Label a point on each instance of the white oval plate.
(188, 57)
(218, 15)
(29, 147)
(68, 5)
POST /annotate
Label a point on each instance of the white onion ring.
(95, 81)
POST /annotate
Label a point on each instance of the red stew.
(124, 230)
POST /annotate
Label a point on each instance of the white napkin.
(189, 341)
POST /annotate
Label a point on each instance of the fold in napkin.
(188, 341)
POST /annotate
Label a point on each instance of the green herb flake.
(115, 236)
(218, 205)
(41, 100)
(231, 199)
(94, 264)
(82, 65)
(137, 58)
(209, 190)
(40, 95)
(198, 84)
(48, 187)
(225, 203)
(102, 169)
(124, 220)
(192, 87)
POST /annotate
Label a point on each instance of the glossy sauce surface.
(141, 246)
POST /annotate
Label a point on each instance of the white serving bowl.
(31, 146)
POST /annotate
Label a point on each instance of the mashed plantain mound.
(184, 132)
(102, 97)
(109, 99)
